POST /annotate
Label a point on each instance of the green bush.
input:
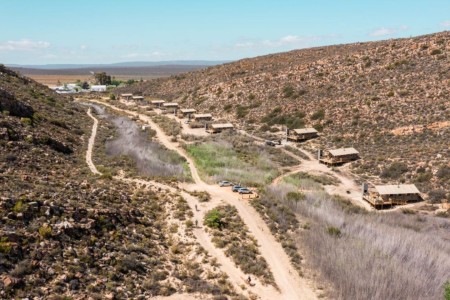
(395, 170)
(334, 231)
(26, 121)
(18, 207)
(291, 120)
(241, 111)
(45, 231)
(447, 290)
(288, 91)
(227, 107)
(295, 196)
(436, 52)
(5, 246)
(213, 219)
(443, 173)
(318, 115)
(201, 195)
(424, 177)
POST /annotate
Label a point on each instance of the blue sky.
(106, 31)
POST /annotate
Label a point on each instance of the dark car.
(236, 188)
(272, 143)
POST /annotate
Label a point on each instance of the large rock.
(15, 107)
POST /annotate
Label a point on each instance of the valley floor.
(289, 284)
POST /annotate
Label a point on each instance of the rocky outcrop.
(15, 107)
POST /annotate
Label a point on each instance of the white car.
(225, 183)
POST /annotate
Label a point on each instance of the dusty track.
(290, 285)
(91, 142)
(347, 186)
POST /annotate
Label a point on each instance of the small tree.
(102, 78)
(85, 85)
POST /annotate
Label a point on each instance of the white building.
(64, 90)
(98, 88)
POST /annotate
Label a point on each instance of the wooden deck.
(380, 202)
(331, 161)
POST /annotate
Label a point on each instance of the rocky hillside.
(388, 99)
(66, 234)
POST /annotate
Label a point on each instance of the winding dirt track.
(346, 187)
(290, 285)
(91, 142)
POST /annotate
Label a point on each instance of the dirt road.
(91, 142)
(290, 284)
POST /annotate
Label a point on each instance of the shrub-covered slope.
(66, 234)
(388, 99)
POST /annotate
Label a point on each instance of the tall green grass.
(220, 161)
(307, 181)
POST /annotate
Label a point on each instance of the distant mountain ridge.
(122, 64)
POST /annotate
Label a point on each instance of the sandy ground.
(407, 130)
(290, 284)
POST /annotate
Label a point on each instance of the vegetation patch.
(307, 181)
(296, 151)
(230, 233)
(122, 145)
(291, 120)
(360, 252)
(170, 126)
(202, 196)
(275, 207)
(236, 158)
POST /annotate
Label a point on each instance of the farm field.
(50, 77)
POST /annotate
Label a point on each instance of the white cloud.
(23, 45)
(383, 31)
(445, 24)
(83, 47)
(291, 41)
(244, 45)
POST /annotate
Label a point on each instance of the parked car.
(225, 183)
(245, 191)
(272, 143)
(236, 188)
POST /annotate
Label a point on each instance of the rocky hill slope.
(388, 99)
(66, 234)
